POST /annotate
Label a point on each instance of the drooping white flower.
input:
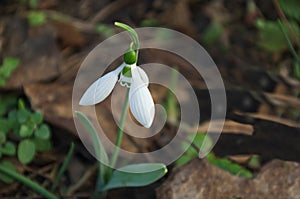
(140, 99)
(135, 78)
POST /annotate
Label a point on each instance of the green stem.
(33, 185)
(292, 49)
(120, 131)
(132, 33)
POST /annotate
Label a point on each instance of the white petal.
(143, 75)
(140, 99)
(101, 88)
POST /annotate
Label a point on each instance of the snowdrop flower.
(131, 76)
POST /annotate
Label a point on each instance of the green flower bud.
(130, 57)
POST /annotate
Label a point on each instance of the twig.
(91, 171)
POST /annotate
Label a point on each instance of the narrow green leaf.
(26, 151)
(172, 108)
(26, 181)
(229, 166)
(6, 178)
(21, 104)
(291, 8)
(271, 37)
(63, 167)
(136, 175)
(191, 152)
(98, 147)
(43, 132)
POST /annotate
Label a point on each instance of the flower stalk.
(120, 131)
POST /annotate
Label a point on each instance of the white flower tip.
(142, 106)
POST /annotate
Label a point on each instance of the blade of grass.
(291, 47)
(63, 166)
(28, 182)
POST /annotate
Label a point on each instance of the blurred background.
(255, 45)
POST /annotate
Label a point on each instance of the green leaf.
(43, 132)
(272, 38)
(36, 117)
(254, 162)
(9, 149)
(9, 171)
(171, 102)
(23, 115)
(212, 34)
(184, 159)
(291, 8)
(4, 125)
(42, 145)
(36, 18)
(191, 152)
(26, 151)
(25, 131)
(136, 175)
(8, 66)
(229, 166)
(3, 177)
(97, 145)
(21, 104)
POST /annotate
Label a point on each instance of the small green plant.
(8, 66)
(222, 163)
(22, 128)
(22, 133)
(133, 77)
(36, 18)
(212, 34)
